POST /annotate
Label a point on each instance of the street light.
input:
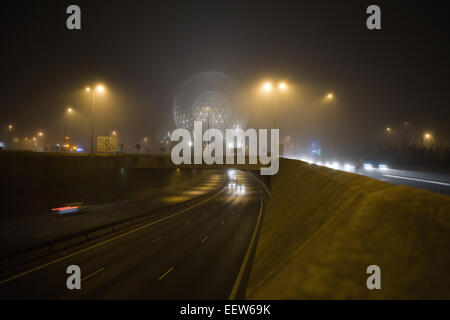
(42, 134)
(269, 87)
(330, 98)
(428, 136)
(98, 89)
(114, 133)
(69, 111)
(10, 129)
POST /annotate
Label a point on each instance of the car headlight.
(368, 166)
(349, 167)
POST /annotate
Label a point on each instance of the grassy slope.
(323, 228)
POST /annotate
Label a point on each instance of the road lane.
(177, 266)
(31, 232)
(436, 182)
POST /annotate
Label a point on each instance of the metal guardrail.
(110, 226)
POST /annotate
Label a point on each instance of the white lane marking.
(157, 239)
(416, 179)
(165, 273)
(204, 239)
(93, 274)
(247, 255)
(222, 221)
(109, 240)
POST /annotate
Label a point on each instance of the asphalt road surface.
(425, 179)
(436, 182)
(39, 228)
(195, 253)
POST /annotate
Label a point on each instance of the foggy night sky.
(144, 50)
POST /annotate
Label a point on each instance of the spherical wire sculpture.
(210, 97)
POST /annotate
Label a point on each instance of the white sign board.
(106, 144)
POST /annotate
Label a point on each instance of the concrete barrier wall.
(30, 181)
(323, 228)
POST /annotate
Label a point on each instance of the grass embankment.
(323, 228)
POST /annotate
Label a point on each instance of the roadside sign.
(106, 144)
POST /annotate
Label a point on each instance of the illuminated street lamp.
(427, 139)
(269, 87)
(42, 134)
(69, 111)
(427, 136)
(145, 144)
(114, 133)
(98, 89)
(10, 129)
(388, 130)
(330, 98)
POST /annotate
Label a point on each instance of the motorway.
(422, 179)
(436, 182)
(194, 253)
(42, 226)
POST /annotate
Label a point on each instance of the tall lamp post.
(269, 87)
(405, 140)
(42, 134)
(69, 111)
(10, 129)
(331, 98)
(99, 89)
(145, 144)
(427, 139)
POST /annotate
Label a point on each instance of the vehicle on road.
(370, 164)
(72, 208)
